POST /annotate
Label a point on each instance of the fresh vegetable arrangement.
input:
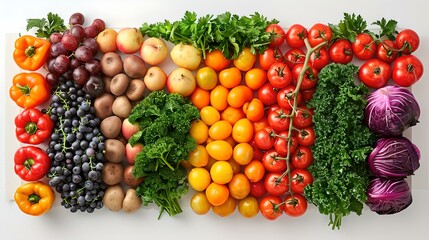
(255, 116)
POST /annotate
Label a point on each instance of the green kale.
(342, 144)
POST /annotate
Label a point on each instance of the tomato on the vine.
(267, 94)
(341, 51)
(375, 73)
(276, 184)
(300, 179)
(302, 157)
(407, 70)
(281, 143)
(306, 136)
(279, 75)
(272, 163)
(271, 207)
(269, 57)
(286, 97)
(278, 32)
(307, 94)
(320, 58)
(295, 205)
(309, 79)
(257, 189)
(407, 41)
(364, 47)
(279, 119)
(387, 51)
(319, 33)
(263, 138)
(303, 117)
(293, 57)
(295, 36)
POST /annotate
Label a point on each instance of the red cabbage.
(390, 110)
(394, 157)
(388, 196)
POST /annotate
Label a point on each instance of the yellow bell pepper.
(34, 198)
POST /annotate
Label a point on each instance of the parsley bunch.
(164, 120)
(227, 32)
(342, 144)
(46, 27)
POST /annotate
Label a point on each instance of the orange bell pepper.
(29, 90)
(31, 52)
(34, 198)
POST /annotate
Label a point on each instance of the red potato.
(153, 51)
(129, 40)
(129, 178)
(132, 151)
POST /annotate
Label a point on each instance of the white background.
(59, 223)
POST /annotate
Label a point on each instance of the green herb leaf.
(387, 29)
(45, 28)
(349, 27)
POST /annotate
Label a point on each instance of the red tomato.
(286, 97)
(276, 184)
(272, 163)
(263, 138)
(364, 47)
(300, 179)
(387, 51)
(307, 94)
(319, 33)
(257, 153)
(302, 157)
(278, 32)
(271, 207)
(295, 36)
(294, 56)
(309, 79)
(306, 136)
(341, 51)
(407, 41)
(319, 59)
(295, 205)
(267, 94)
(407, 70)
(279, 75)
(257, 189)
(281, 144)
(269, 57)
(303, 118)
(279, 119)
(375, 73)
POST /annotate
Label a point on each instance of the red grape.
(92, 44)
(80, 75)
(83, 53)
(93, 66)
(77, 18)
(91, 31)
(61, 64)
(78, 32)
(55, 37)
(69, 42)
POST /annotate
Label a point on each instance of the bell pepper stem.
(30, 51)
(28, 163)
(33, 198)
(31, 128)
(25, 89)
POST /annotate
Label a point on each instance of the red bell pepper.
(32, 126)
(31, 163)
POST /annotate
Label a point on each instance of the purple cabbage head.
(388, 196)
(394, 157)
(390, 110)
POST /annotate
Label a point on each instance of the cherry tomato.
(200, 98)
(263, 138)
(341, 51)
(199, 157)
(254, 110)
(199, 203)
(294, 56)
(267, 94)
(306, 136)
(276, 184)
(220, 130)
(243, 153)
(248, 207)
(209, 115)
(281, 144)
(271, 207)
(242, 131)
(269, 57)
(226, 208)
(199, 178)
(255, 78)
(232, 115)
(300, 179)
(295, 36)
(254, 171)
(309, 79)
(217, 194)
(286, 97)
(302, 157)
(199, 131)
(319, 33)
(279, 75)
(408, 41)
(245, 60)
(387, 51)
(295, 205)
(230, 77)
(278, 32)
(239, 186)
(218, 97)
(375, 73)
(258, 125)
(307, 94)
(303, 117)
(407, 70)
(221, 172)
(364, 47)
(217, 60)
(320, 58)
(257, 189)
(257, 152)
(279, 119)
(273, 162)
(219, 149)
(206, 78)
(238, 95)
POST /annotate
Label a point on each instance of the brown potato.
(106, 80)
(103, 106)
(135, 90)
(119, 84)
(112, 173)
(131, 202)
(111, 126)
(111, 64)
(114, 197)
(115, 150)
(129, 178)
(121, 107)
(134, 66)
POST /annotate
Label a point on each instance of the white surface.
(59, 223)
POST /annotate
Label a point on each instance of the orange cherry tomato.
(254, 110)
(219, 97)
(217, 60)
(243, 153)
(238, 95)
(232, 115)
(219, 149)
(239, 186)
(260, 124)
(200, 98)
(245, 60)
(254, 171)
(227, 208)
(220, 130)
(242, 131)
(255, 78)
(230, 77)
(217, 194)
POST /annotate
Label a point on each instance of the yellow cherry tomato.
(199, 157)
(199, 178)
(227, 208)
(245, 60)
(218, 97)
(248, 207)
(220, 130)
(242, 131)
(221, 172)
(206, 78)
(199, 203)
(209, 115)
(199, 131)
(243, 153)
(219, 149)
